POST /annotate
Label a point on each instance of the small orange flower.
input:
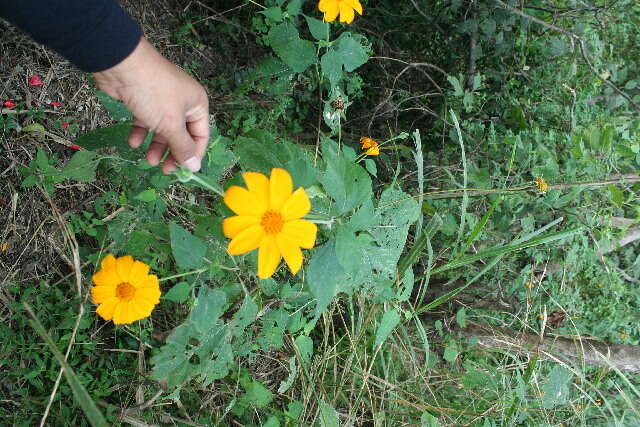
(371, 145)
(4, 246)
(124, 290)
(542, 185)
(345, 8)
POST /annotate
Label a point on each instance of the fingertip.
(137, 136)
(155, 153)
(169, 165)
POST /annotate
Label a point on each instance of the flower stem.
(188, 273)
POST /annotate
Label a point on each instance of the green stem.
(188, 273)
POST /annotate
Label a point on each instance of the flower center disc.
(125, 291)
(272, 222)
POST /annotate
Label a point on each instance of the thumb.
(183, 148)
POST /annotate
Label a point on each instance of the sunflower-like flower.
(269, 218)
(124, 290)
(345, 8)
(371, 145)
(542, 185)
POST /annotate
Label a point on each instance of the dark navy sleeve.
(93, 34)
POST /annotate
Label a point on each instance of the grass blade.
(87, 404)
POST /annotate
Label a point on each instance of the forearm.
(93, 34)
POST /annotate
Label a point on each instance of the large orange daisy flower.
(269, 218)
(345, 8)
(124, 290)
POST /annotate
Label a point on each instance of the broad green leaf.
(257, 394)
(345, 182)
(273, 13)
(179, 292)
(616, 195)
(331, 64)
(116, 136)
(461, 318)
(86, 403)
(294, 7)
(349, 250)
(298, 54)
(428, 420)
(324, 274)
(328, 415)
(116, 109)
(304, 345)
(556, 390)
(199, 347)
(81, 167)
(354, 53)
(146, 195)
(187, 249)
(245, 315)
(390, 320)
(450, 354)
(318, 28)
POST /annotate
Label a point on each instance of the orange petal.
(296, 206)
(268, 258)
(355, 4)
(123, 267)
(108, 261)
(106, 277)
(280, 187)
(140, 308)
(258, 185)
(346, 13)
(121, 314)
(233, 225)
(107, 308)
(331, 11)
(290, 251)
(247, 240)
(302, 232)
(241, 201)
(139, 273)
(100, 294)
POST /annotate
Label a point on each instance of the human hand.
(164, 99)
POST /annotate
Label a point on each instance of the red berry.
(65, 125)
(9, 104)
(56, 104)
(75, 147)
(35, 80)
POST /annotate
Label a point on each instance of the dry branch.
(569, 349)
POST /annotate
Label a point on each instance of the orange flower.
(269, 218)
(345, 8)
(124, 290)
(542, 185)
(371, 145)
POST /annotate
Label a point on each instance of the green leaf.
(294, 7)
(304, 345)
(349, 250)
(347, 183)
(34, 128)
(80, 393)
(461, 318)
(298, 54)
(347, 53)
(187, 249)
(616, 195)
(257, 394)
(318, 28)
(273, 13)
(428, 420)
(556, 390)
(323, 275)
(146, 195)
(328, 415)
(81, 167)
(116, 109)
(390, 320)
(110, 136)
(198, 347)
(179, 292)
(450, 354)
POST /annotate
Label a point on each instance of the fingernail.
(193, 164)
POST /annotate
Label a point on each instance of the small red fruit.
(35, 80)
(75, 147)
(65, 125)
(9, 104)
(56, 104)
